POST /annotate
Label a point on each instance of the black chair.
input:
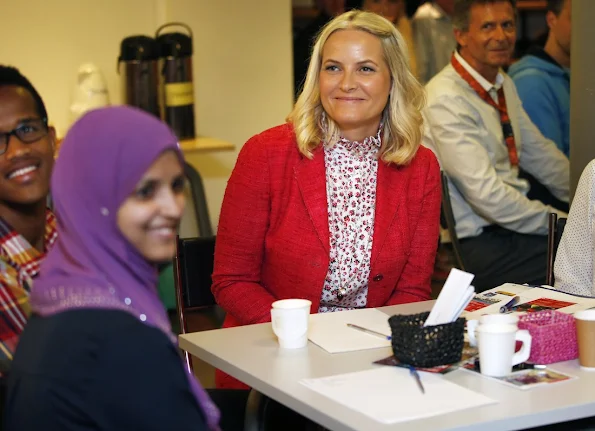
(447, 221)
(193, 266)
(555, 230)
(198, 201)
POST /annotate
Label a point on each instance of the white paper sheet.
(490, 301)
(390, 394)
(579, 303)
(330, 330)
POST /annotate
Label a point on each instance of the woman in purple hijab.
(98, 353)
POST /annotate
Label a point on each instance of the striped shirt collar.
(487, 85)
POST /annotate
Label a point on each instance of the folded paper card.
(330, 330)
(389, 394)
(456, 293)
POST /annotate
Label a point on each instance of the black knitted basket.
(426, 346)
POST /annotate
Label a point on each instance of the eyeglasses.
(27, 132)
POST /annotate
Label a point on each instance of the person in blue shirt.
(542, 78)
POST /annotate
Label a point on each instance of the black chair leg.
(255, 411)
(265, 414)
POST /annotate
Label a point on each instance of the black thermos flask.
(137, 67)
(175, 79)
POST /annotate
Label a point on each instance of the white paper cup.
(289, 319)
(585, 336)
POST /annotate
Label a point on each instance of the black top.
(98, 370)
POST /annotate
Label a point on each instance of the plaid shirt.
(19, 265)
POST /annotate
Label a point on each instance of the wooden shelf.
(203, 144)
(538, 5)
(196, 145)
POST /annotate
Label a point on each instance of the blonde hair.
(402, 119)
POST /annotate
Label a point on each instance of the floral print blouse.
(351, 174)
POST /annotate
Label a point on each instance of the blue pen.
(506, 307)
(415, 375)
(369, 331)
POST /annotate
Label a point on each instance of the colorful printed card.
(469, 354)
(486, 299)
(528, 379)
(541, 304)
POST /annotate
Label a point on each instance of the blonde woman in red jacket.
(341, 204)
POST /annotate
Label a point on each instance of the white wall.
(242, 74)
(242, 61)
(48, 40)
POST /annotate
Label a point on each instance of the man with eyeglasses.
(27, 226)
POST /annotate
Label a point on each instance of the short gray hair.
(462, 9)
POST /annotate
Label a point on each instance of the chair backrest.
(196, 220)
(193, 266)
(447, 220)
(555, 230)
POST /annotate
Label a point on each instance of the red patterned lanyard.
(500, 107)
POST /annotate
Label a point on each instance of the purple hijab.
(92, 265)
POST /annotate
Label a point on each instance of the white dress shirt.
(573, 269)
(466, 135)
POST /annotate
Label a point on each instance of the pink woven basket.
(553, 336)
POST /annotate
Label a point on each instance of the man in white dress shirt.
(476, 125)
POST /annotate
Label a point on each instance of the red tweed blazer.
(273, 235)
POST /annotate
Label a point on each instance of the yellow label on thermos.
(179, 94)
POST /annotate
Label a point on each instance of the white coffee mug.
(496, 348)
(289, 319)
(489, 319)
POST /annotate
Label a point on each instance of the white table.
(251, 354)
